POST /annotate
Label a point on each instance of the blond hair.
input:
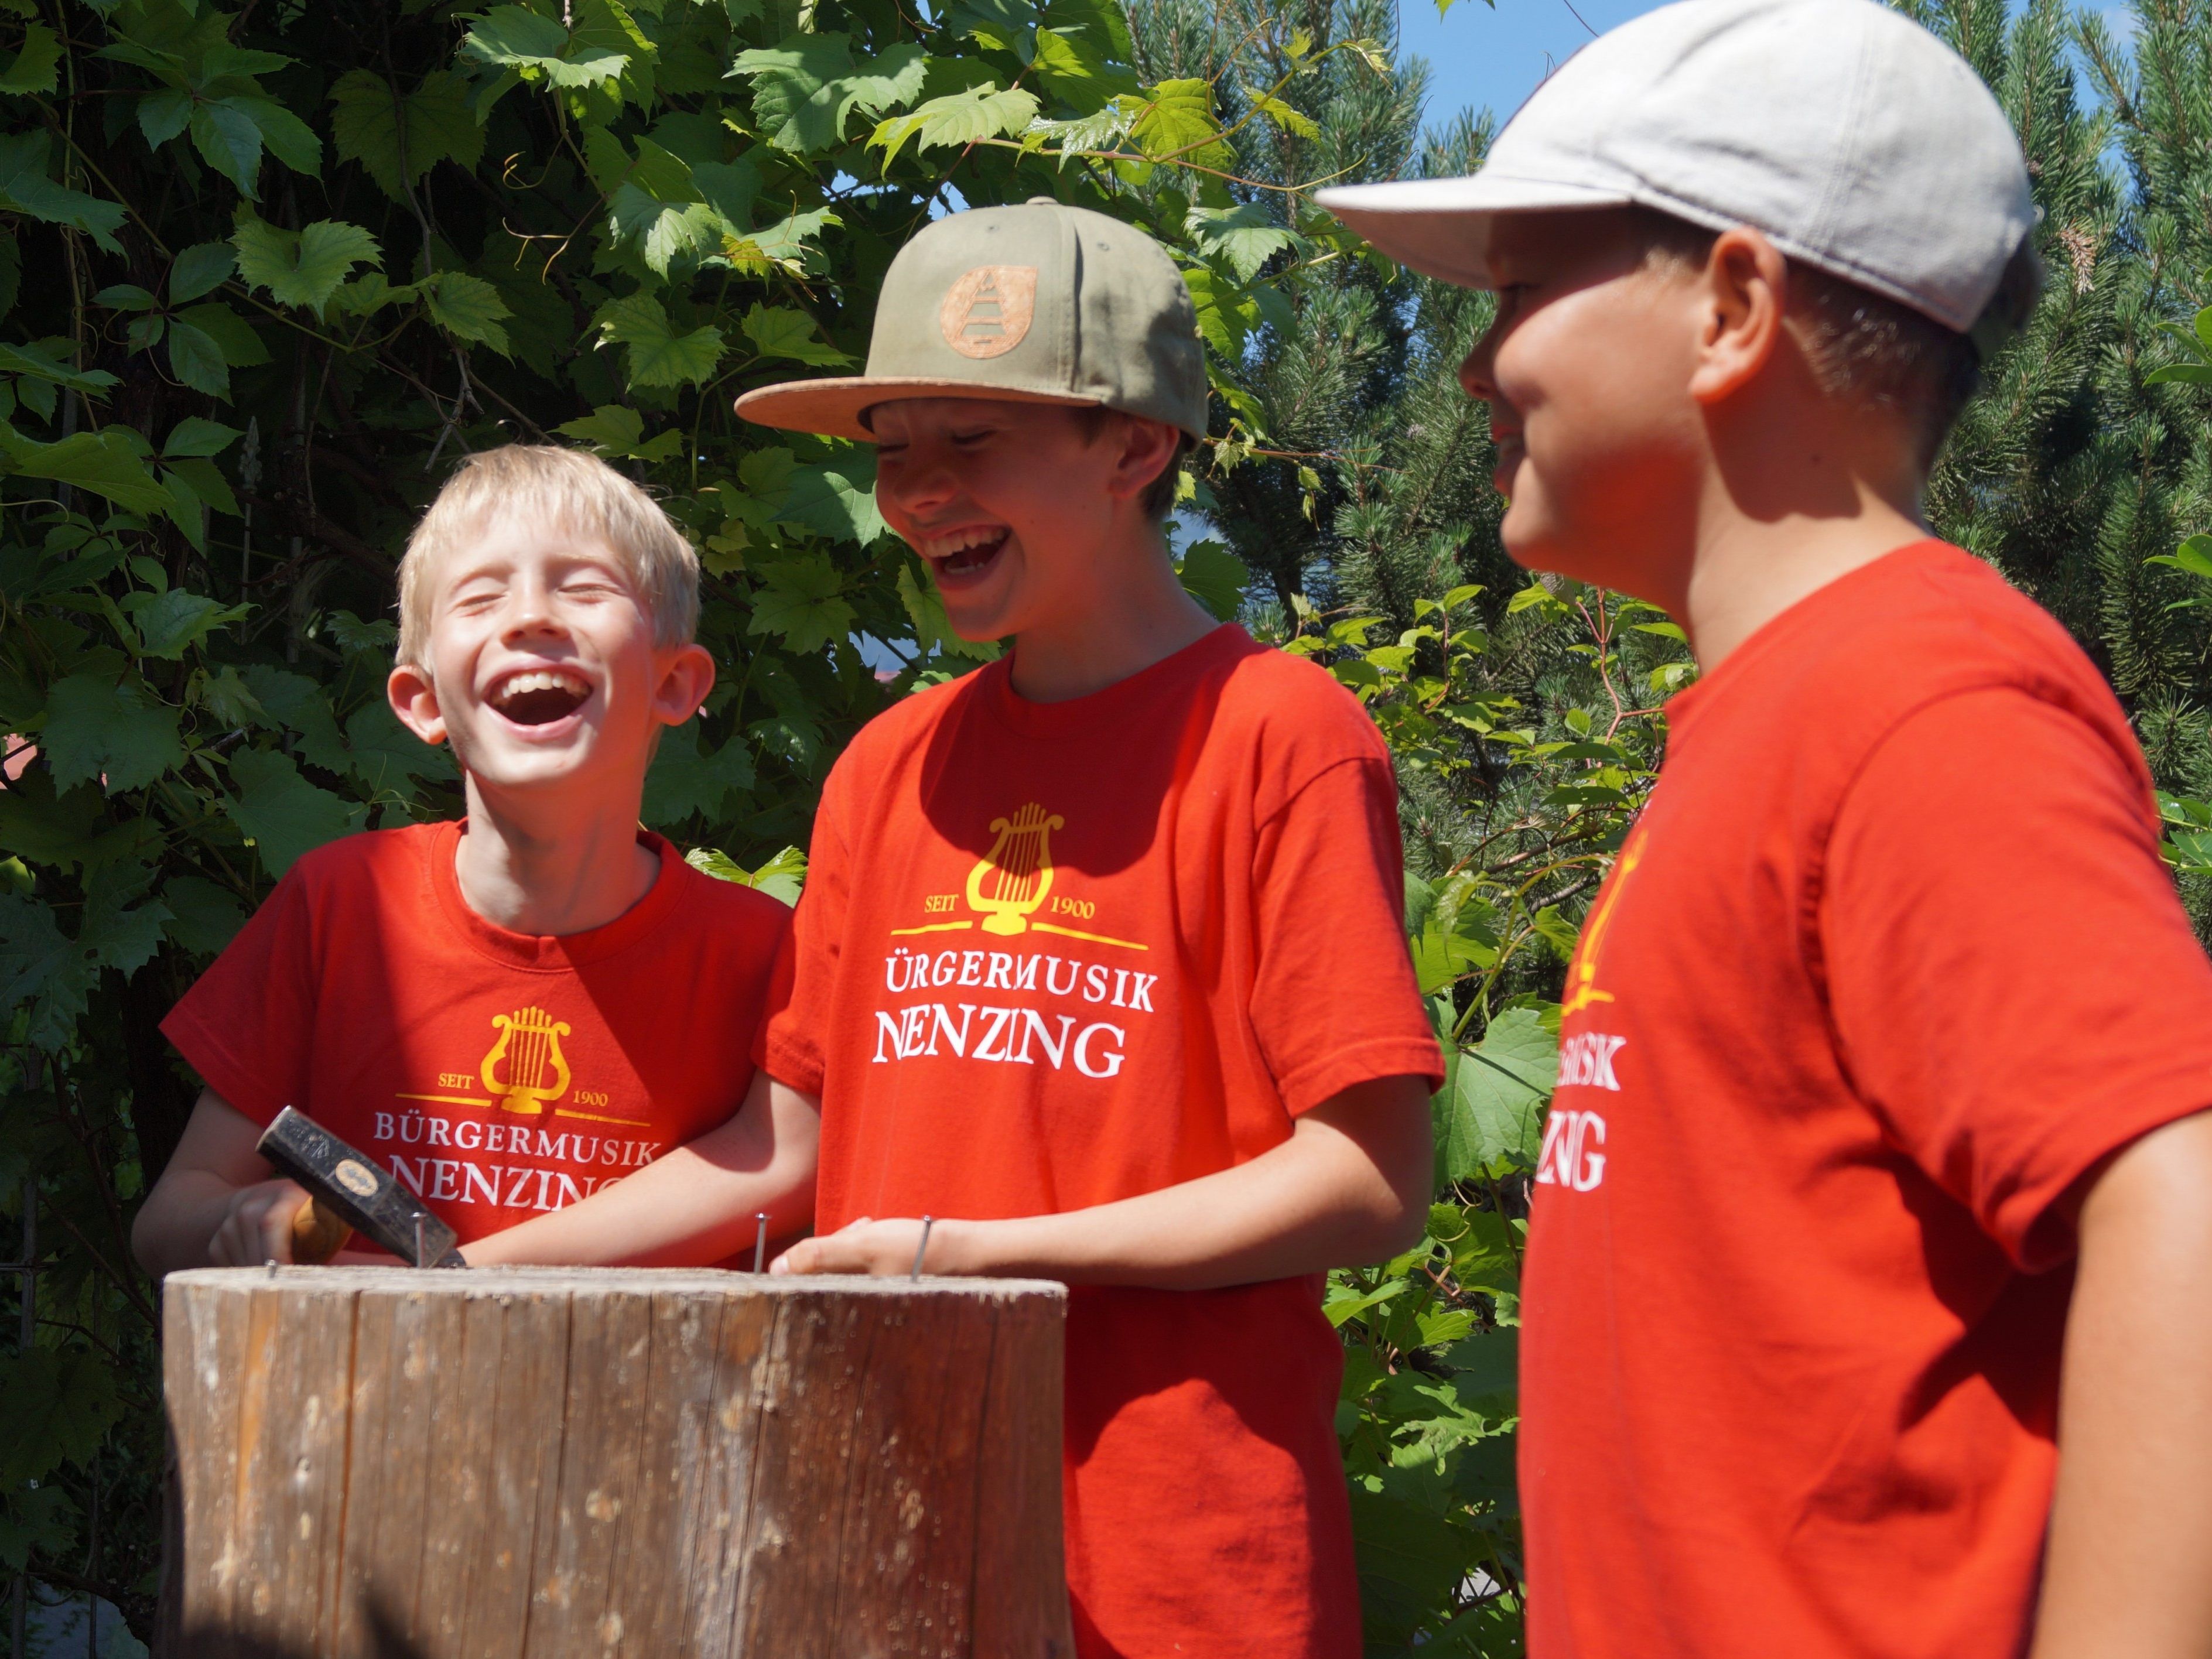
(569, 488)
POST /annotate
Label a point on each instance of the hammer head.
(343, 1181)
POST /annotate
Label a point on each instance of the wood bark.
(495, 1463)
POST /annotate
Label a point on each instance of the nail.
(271, 1265)
(760, 1241)
(418, 1243)
(920, 1250)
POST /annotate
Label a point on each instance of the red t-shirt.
(496, 1074)
(1889, 961)
(1051, 955)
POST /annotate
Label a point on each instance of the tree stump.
(553, 1462)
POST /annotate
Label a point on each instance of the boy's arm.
(1350, 1185)
(2125, 1577)
(215, 1204)
(693, 1205)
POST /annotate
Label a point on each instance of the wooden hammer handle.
(316, 1234)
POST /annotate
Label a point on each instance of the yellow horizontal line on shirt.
(444, 1100)
(933, 927)
(593, 1117)
(1094, 938)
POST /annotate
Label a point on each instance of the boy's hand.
(881, 1249)
(257, 1224)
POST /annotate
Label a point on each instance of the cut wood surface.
(502, 1462)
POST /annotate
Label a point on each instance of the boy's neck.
(1787, 508)
(545, 868)
(1137, 613)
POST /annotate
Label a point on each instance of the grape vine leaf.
(119, 734)
(659, 357)
(806, 87)
(281, 812)
(779, 331)
(798, 598)
(398, 140)
(683, 781)
(299, 268)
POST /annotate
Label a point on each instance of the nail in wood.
(920, 1249)
(760, 1241)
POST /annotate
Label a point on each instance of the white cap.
(1854, 138)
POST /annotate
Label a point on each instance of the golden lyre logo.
(986, 313)
(530, 1044)
(1012, 878)
(1582, 977)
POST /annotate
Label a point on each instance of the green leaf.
(957, 118)
(467, 307)
(798, 600)
(36, 65)
(36, 358)
(1215, 577)
(24, 186)
(304, 268)
(203, 918)
(387, 758)
(683, 783)
(933, 630)
(104, 462)
(512, 37)
(1283, 115)
(614, 430)
(2180, 374)
(805, 86)
(170, 623)
(298, 704)
(658, 355)
(196, 359)
(200, 269)
(232, 335)
(779, 331)
(118, 733)
(229, 141)
(1497, 1095)
(281, 812)
(50, 976)
(60, 1407)
(837, 498)
(1078, 72)
(430, 125)
(1243, 236)
(197, 435)
(781, 878)
(1177, 121)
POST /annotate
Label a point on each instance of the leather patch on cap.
(986, 313)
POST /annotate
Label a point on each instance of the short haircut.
(1868, 348)
(1160, 495)
(567, 486)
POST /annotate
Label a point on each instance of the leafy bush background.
(265, 271)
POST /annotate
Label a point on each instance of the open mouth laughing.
(962, 555)
(539, 696)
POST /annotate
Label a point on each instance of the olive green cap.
(1036, 304)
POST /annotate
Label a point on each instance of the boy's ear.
(686, 680)
(1147, 448)
(1744, 290)
(414, 700)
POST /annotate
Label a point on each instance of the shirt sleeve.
(789, 1047)
(246, 1025)
(2016, 989)
(1333, 999)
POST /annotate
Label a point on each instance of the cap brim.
(1441, 227)
(833, 407)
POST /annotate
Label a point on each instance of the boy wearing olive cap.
(1906, 1039)
(1070, 974)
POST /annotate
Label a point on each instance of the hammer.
(346, 1193)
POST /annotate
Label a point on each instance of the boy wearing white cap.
(1909, 1041)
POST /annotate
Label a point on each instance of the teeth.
(959, 541)
(541, 679)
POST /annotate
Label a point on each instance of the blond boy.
(516, 1009)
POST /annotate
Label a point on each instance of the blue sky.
(1480, 58)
